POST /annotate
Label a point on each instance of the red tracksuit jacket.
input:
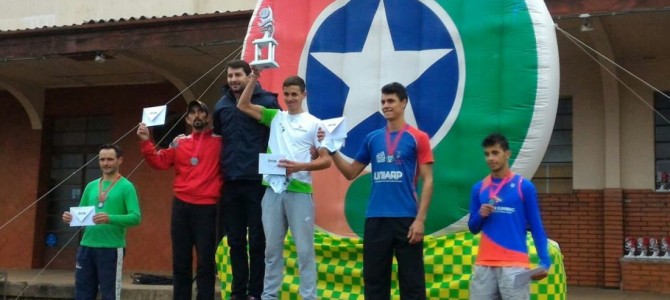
(198, 183)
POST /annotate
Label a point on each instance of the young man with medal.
(503, 207)
(101, 250)
(287, 202)
(197, 186)
(399, 155)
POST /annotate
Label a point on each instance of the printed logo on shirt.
(297, 127)
(396, 159)
(381, 157)
(388, 176)
(504, 210)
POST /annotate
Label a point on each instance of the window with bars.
(73, 147)
(554, 175)
(662, 141)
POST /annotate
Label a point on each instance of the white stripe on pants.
(281, 212)
(119, 272)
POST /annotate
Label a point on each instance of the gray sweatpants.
(281, 212)
(494, 283)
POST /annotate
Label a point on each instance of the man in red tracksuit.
(197, 187)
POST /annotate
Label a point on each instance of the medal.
(194, 159)
(392, 145)
(494, 200)
(102, 195)
(495, 189)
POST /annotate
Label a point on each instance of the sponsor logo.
(504, 210)
(388, 176)
(381, 157)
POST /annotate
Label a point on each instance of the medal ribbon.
(391, 146)
(494, 193)
(197, 148)
(102, 195)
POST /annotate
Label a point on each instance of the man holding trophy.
(240, 205)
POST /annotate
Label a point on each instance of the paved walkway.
(58, 284)
(589, 293)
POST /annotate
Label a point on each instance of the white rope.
(45, 267)
(582, 46)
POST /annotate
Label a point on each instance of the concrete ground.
(58, 284)
(590, 293)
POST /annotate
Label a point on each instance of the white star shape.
(378, 63)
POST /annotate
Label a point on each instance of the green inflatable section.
(448, 259)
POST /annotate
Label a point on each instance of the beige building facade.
(27, 14)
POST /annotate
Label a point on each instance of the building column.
(613, 236)
(613, 233)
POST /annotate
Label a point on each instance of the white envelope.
(333, 145)
(268, 164)
(336, 128)
(154, 116)
(523, 278)
(82, 215)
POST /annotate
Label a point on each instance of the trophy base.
(264, 64)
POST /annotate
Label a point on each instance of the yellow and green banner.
(449, 260)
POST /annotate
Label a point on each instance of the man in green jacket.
(101, 250)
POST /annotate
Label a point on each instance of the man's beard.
(238, 88)
(109, 171)
(199, 125)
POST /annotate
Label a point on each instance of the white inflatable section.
(548, 83)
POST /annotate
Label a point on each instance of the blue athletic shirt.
(503, 238)
(394, 177)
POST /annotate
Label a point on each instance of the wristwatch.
(331, 153)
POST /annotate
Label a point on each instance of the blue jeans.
(98, 267)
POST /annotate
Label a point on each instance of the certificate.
(524, 278)
(82, 216)
(336, 128)
(268, 164)
(154, 116)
